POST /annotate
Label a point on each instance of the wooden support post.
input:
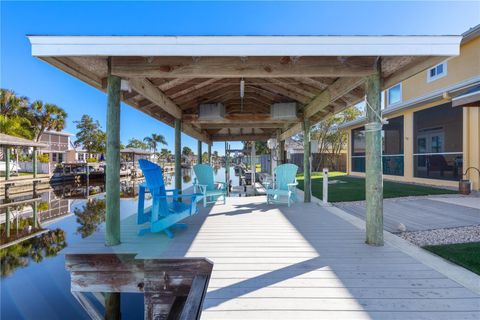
(282, 152)
(112, 306)
(7, 222)
(226, 162)
(210, 153)
(307, 182)
(199, 152)
(7, 163)
(253, 165)
(373, 152)
(178, 154)
(112, 170)
(280, 144)
(34, 162)
(35, 215)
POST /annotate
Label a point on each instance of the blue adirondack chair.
(205, 184)
(284, 185)
(166, 210)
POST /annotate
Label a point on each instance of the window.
(392, 148)
(437, 72)
(438, 135)
(358, 150)
(394, 94)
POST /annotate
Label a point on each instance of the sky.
(30, 77)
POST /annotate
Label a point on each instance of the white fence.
(27, 166)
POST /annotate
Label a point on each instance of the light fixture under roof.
(242, 93)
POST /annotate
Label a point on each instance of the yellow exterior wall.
(471, 144)
(463, 67)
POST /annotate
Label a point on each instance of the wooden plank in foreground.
(161, 281)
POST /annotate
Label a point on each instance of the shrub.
(24, 157)
(91, 160)
(43, 158)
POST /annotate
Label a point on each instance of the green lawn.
(466, 255)
(353, 188)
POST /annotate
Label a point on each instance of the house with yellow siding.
(431, 134)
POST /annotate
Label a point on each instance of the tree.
(12, 115)
(261, 147)
(205, 157)
(137, 144)
(332, 141)
(154, 140)
(90, 135)
(165, 155)
(45, 116)
(16, 126)
(186, 151)
(11, 104)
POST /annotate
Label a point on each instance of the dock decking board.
(303, 262)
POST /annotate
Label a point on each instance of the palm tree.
(11, 104)
(12, 115)
(154, 140)
(46, 116)
(165, 155)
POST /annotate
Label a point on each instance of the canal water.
(34, 282)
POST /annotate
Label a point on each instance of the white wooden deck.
(303, 262)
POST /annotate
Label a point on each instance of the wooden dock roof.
(170, 76)
(12, 141)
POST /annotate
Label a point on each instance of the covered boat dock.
(303, 262)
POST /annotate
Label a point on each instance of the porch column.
(178, 154)
(227, 167)
(112, 169)
(34, 162)
(373, 157)
(279, 148)
(253, 164)
(307, 194)
(281, 159)
(210, 153)
(6, 152)
(112, 306)
(199, 151)
(35, 215)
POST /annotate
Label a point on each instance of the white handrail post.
(325, 187)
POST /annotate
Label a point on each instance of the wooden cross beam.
(241, 137)
(152, 93)
(260, 125)
(235, 67)
(253, 118)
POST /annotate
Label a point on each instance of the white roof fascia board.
(245, 45)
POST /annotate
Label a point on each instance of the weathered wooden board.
(160, 280)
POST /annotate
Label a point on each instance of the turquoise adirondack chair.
(205, 184)
(284, 185)
(166, 210)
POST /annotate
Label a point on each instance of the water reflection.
(48, 244)
(90, 216)
(29, 228)
(66, 214)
